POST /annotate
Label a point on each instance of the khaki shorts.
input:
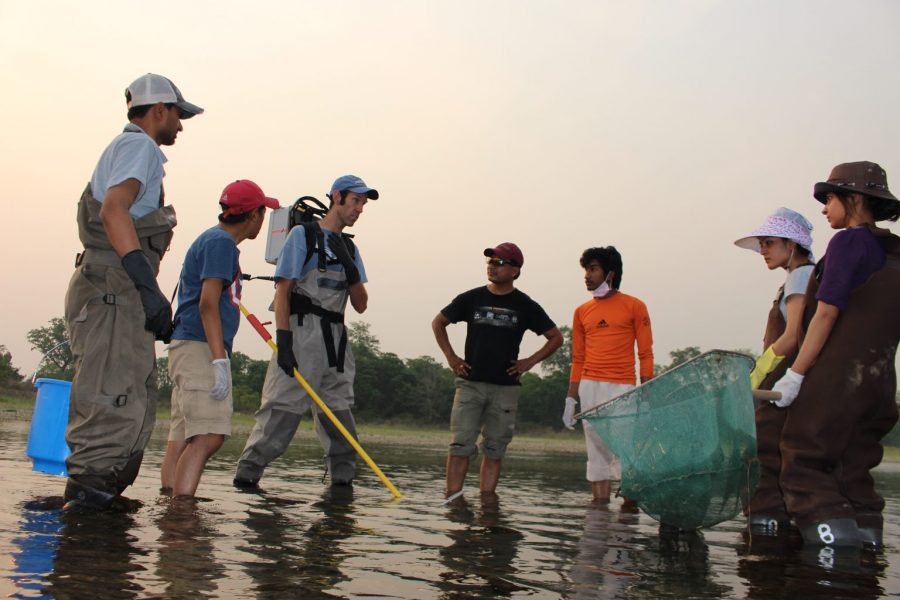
(486, 408)
(194, 412)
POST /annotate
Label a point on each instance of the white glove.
(568, 417)
(220, 389)
(789, 387)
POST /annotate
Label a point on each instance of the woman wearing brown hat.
(785, 242)
(841, 386)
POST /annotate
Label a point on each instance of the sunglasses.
(499, 262)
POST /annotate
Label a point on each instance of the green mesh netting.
(686, 440)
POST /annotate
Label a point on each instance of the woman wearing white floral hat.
(785, 242)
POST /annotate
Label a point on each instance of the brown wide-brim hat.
(866, 178)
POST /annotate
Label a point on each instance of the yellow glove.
(765, 364)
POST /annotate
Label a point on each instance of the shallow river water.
(540, 539)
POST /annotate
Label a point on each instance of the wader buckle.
(120, 401)
(79, 256)
(109, 299)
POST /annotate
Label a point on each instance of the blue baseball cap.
(352, 183)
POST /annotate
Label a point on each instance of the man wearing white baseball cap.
(115, 310)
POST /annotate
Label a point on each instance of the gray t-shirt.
(794, 284)
(132, 155)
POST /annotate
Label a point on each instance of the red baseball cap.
(507, 250)
(242, 196)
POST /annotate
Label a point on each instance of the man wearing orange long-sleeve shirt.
(605, 330)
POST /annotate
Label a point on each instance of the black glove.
(337, 245)
(157, 309)
(284, 338)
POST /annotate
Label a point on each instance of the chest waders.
(318, 301)
(846, 405)
(112, 406)
(766, 511)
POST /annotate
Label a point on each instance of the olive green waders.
(112, 407)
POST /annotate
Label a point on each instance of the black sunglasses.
(499, 262)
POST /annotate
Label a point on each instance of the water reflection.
(186, 560)
(780, 567)
(292, 557)
(605, 560)
(539, 540)
(97, 551)
(480, 560)
(684, 567)
(36, 546)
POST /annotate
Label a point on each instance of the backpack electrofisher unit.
(306, 212)
(306, 209)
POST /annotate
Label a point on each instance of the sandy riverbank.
(563, 442)
(525, 444)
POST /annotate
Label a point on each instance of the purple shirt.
(853, 255)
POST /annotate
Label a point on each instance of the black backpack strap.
(351, 247)
(315, 244)
(315, 240)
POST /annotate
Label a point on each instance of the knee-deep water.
(540, 538)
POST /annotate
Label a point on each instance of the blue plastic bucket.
(47, 446)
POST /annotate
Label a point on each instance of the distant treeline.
(418, 390)
(391, 389)
(388, 388)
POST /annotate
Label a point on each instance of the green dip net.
(686, 440)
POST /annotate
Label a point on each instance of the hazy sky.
(667, 129)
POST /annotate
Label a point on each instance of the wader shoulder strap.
(303, 305)
(315, 244)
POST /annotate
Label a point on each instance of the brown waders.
(112, 407)
(767, 512)
(326, 362)
(832, 432)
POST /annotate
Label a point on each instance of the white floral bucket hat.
(783, 223)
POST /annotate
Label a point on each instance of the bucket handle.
(44, 359)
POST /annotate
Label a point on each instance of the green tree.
(247, 378)
(362, 339)
(163, 381)
(8, 373)
(432, 388)
(678, 356)
(52, 342)
(541, 402)
(248, 372)
(561, 360)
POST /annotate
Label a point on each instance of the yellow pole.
(262, 331)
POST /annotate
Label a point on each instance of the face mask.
(602, 290)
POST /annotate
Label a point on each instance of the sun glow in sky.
(667, 129)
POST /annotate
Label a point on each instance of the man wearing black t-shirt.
(487, 380)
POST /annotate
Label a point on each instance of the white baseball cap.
(152, 88)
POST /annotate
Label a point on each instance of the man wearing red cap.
(207, 319)
(487, 379)
(115, 310)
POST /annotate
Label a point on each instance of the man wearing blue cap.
(313, 282)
